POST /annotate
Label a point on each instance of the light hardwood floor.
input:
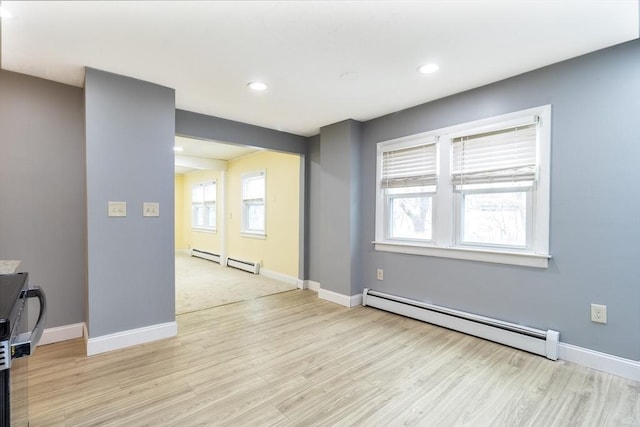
(292, 359)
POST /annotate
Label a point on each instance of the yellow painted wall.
(179, 212)
(279, 250)
(199, 239)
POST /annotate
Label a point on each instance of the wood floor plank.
(293, 360)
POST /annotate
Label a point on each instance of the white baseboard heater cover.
(206, 255)
(544, 343)
(251, 267)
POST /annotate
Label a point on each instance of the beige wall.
(278, 252)
(208, 241)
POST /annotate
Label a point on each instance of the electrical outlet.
(380, 274)
(598, 313)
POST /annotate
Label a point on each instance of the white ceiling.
(199, 148)
(324, 61)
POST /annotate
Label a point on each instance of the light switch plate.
(117, 209)
(151, 209)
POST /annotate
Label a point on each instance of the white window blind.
(501, 156)
(410, 167)
(253, 187)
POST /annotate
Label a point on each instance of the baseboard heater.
(544, 343)
(251, 267)
(206, 255)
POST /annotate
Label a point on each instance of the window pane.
(411, 217)
(198, 215)
(495, 218)
(254, 216)
(254, 188)
(210, 192)
(211, 215)
(197, 195)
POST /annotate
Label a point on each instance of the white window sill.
(483, 255)
(204, 229)
(253, 235)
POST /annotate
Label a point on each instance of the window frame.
(447, 203)
(383, 210)
(204, 203)
(245, 231)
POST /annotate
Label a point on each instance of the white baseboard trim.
(131, 337)
(345, 300)
(604, 362)
(62, 333)
(279, 276)
(309, 284)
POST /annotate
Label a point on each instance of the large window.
(203, 206)
(476, 191)
(253, 203)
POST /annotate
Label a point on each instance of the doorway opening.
(239, 203)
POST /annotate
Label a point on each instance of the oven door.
(18, 394)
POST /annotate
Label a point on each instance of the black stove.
(16, 342)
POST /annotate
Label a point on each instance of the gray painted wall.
(340, 269)
(201, 126)
(314, 236)
(130, 132)
(42, 215)
(595, 217)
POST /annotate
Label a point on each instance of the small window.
(253, 203)
(203, 206)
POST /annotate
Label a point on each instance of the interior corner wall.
(303, 223)
(130, 133)
(42, 184)
(595, 194)
(180, 243)
(314, 202)
(338, 266)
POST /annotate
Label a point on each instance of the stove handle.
(25, 344)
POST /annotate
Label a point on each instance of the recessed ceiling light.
(349, 75)
(4, 13)
(176, 148)
(257, 86)
(428, 68)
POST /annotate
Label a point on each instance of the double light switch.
(119, 209)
